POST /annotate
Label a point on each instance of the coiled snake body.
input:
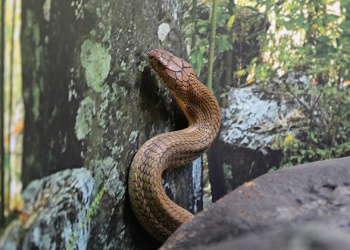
(153, 208)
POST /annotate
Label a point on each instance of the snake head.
(174, 72)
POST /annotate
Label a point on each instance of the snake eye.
(160, 65)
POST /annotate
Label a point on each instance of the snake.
(155, 211)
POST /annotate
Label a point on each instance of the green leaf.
(345, 26)
(224, 44)
(324, 39)
(331, 18)
(193, 57)
(199, 63)
(202, 30)
(300, 21)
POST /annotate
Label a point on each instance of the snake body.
(160, 216)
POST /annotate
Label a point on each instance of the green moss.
(36, 104)
(96, 62)
(84, 118)
(38, 48)
(106, 171)
(92, 210)
(119, 89)
(79, 9)
(142, 65)
(47, 9)
(133, 136)
(117, 151)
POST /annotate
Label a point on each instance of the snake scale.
(158, 215)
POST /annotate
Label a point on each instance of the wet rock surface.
(283, 201)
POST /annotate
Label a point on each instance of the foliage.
(324, 133)
(235, 34)
(12, 110)
(311, 39)
(308, 38)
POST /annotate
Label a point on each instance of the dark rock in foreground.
(287, 198)
(309, 236)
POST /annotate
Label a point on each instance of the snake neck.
(201, 110)
(160, 216)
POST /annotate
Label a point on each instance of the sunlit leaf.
(288, 138)
(241, 72)
(231, 21)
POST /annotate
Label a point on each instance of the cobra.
(155, 211)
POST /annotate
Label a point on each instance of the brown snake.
(153, 208)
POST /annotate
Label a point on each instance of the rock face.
(54, 213)
(92, 100)
(250, 124)
(315, 192)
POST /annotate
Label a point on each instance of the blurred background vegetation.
(294, 49)
(11, 108)
(297, 49)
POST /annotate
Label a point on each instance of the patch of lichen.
(84, 120)
(96, 61)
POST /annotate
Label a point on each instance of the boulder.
(306, 237)
(251, 122)
(312, 192)
(55, 213)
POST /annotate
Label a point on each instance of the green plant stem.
(229, 56)
(2, 81)
(212, 46)
(194, 24)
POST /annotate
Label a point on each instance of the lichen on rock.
(96, 61)
(54, 212)
(84, 118)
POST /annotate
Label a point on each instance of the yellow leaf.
(231, 21)
(250, 80)
(288, 138)
(241, 72)
(313, 27)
